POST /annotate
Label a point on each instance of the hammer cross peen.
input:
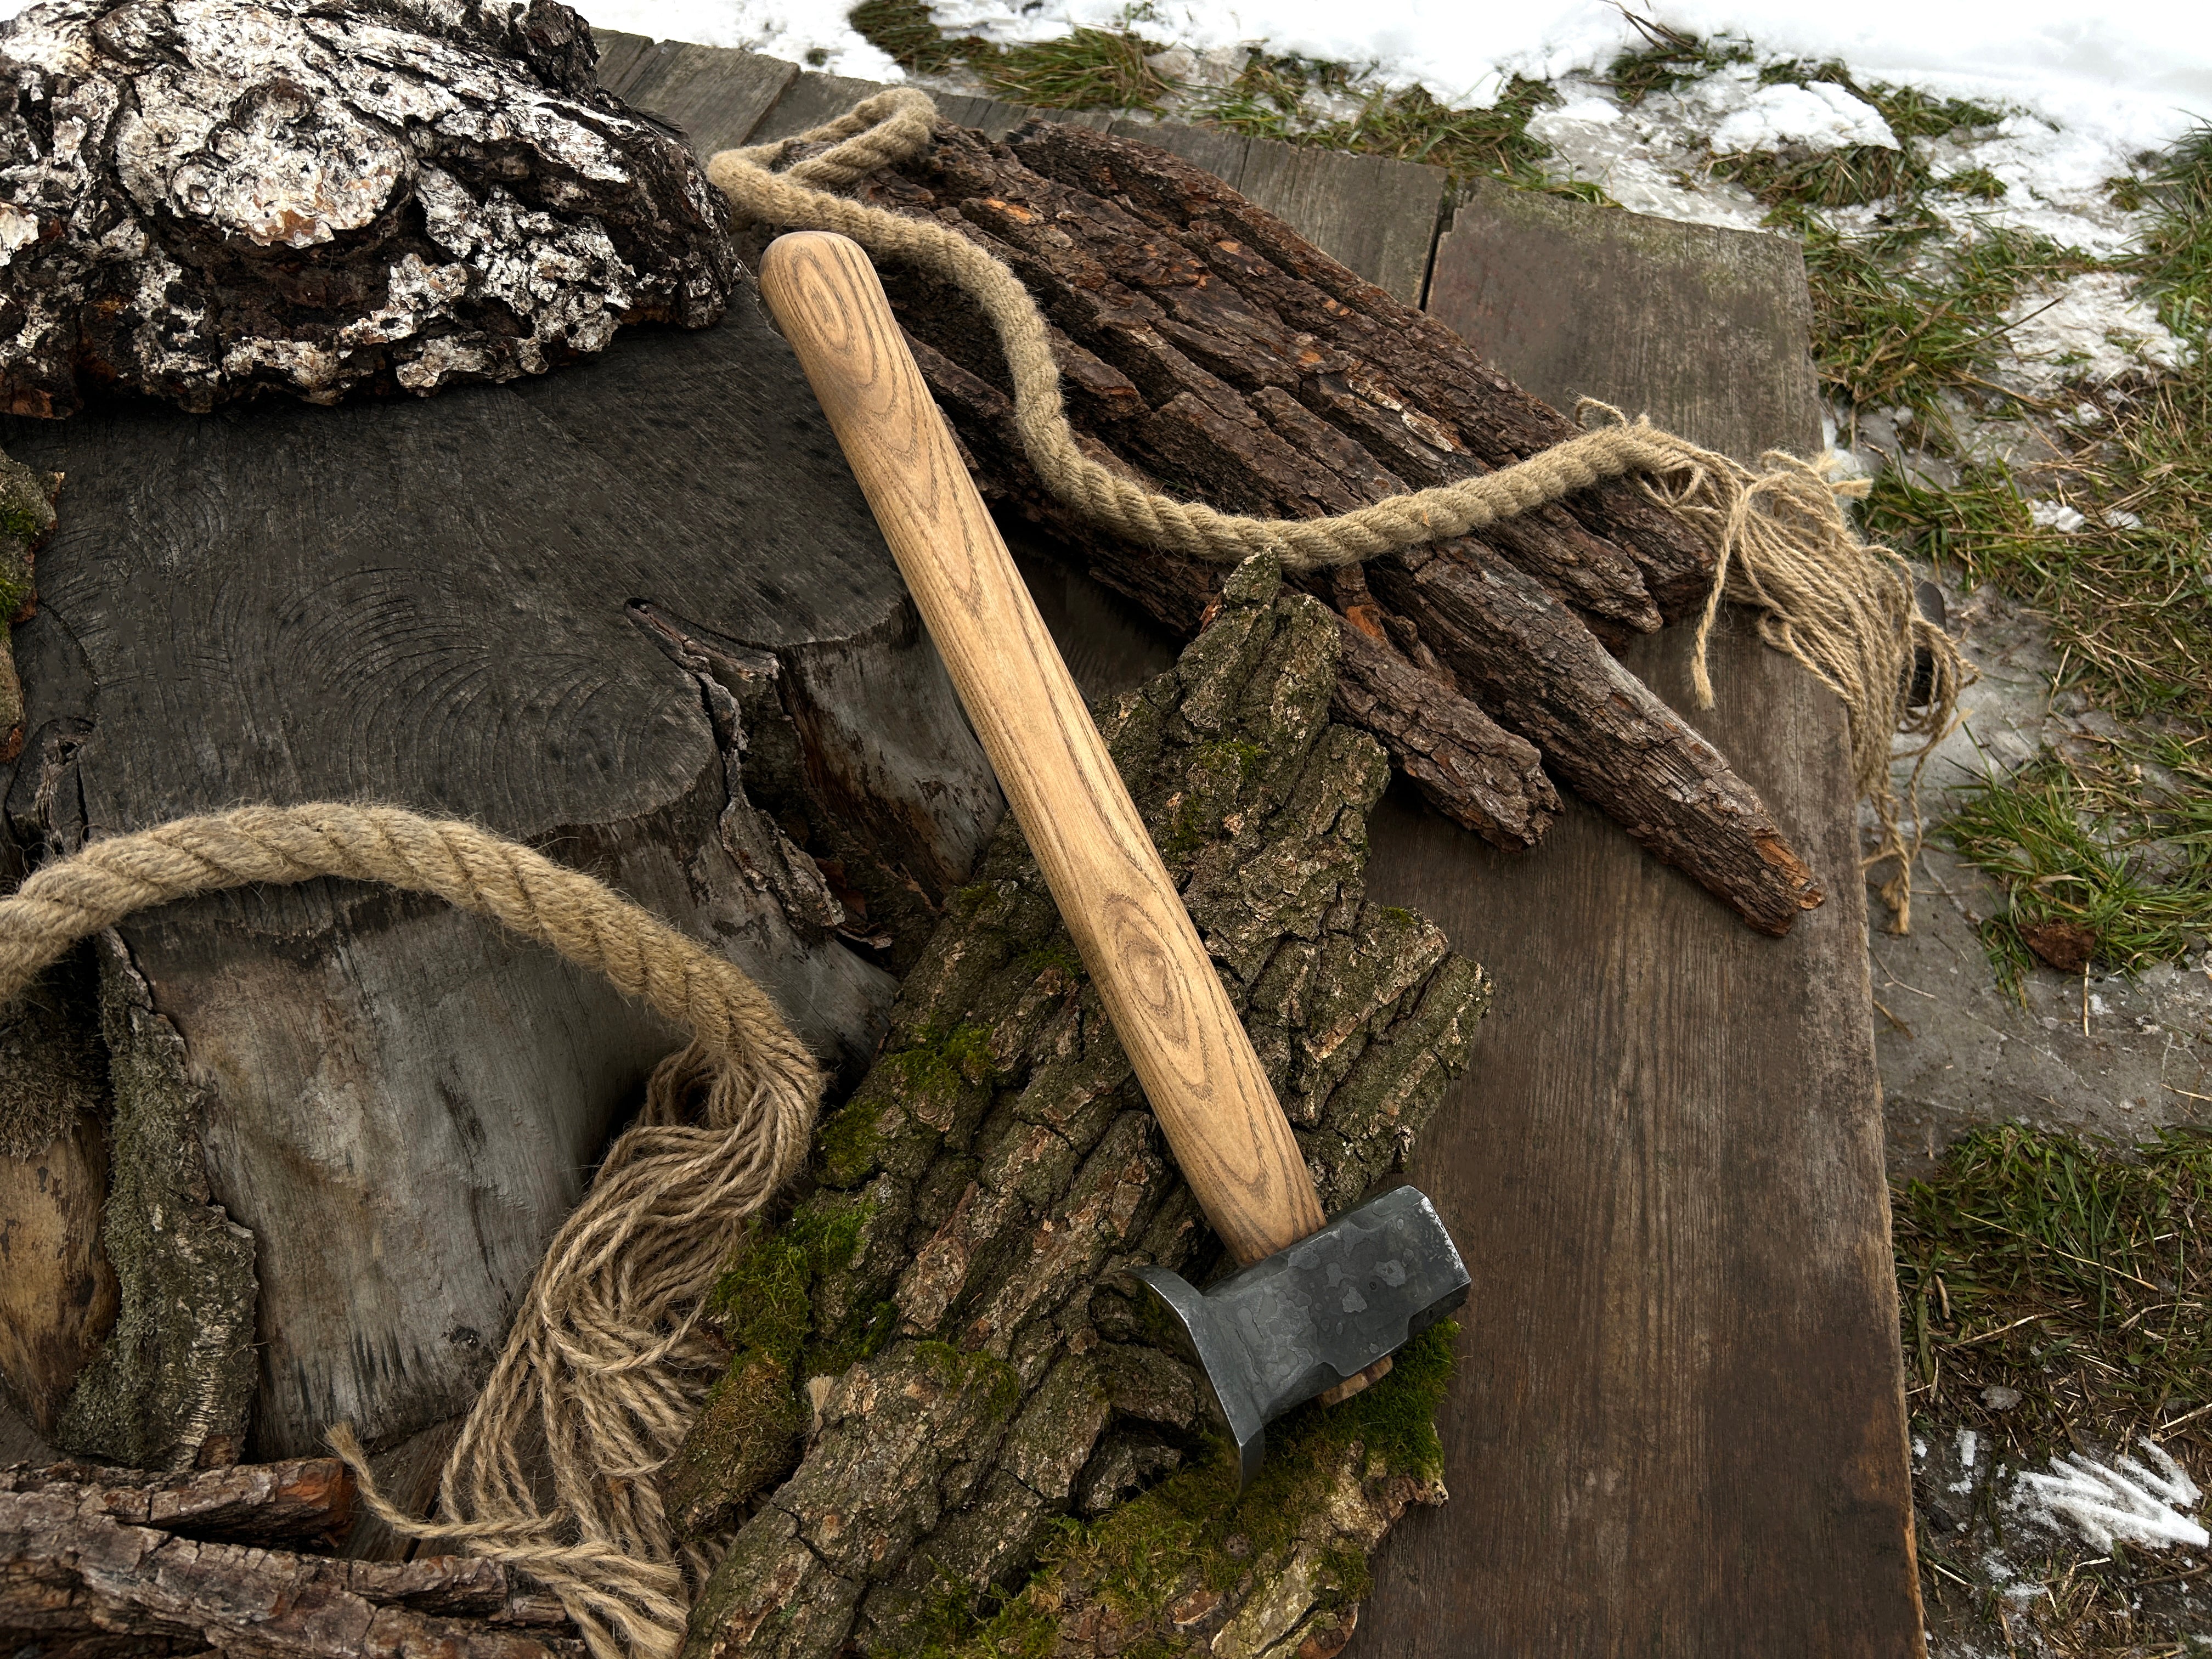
(1318, 1306)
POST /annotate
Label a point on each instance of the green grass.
(1268, 101)
(1669, 60)
(2129, 603)
(1091, 69)
(1899, 318)
(2076, 1272)
(904, 30)
(2068, 840)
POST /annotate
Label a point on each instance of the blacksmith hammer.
(1318, 1306)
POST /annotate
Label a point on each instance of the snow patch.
(1822, 116)
(2120, 1502)
(2096, 331)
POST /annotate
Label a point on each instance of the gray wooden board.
(1221, 153)
(716, 95)
(809, 101)
(426, 602)
(1678, 1424)
(1707, 330)
(619, 56)
(1376, 215)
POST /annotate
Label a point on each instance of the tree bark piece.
(936, 1356)
(90, 1559)
(637, 615)
(1218, 357)
(302, 1500)
(26, 518)
(207, 200)
(1488, 623)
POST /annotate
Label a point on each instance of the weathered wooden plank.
(717, 95)
(995, 118)
(1374, 215)
(1707, 329)
(1678, 1424)
(1221, 153)
(619, 56)
(809, 101)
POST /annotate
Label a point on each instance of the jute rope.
(1784, 546)
(605, 1366)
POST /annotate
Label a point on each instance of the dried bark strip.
(1218, 357)
(309, 1499)
(935, 1358)
(86, 1561)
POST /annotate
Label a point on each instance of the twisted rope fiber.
(605, 1366)
(1782, 545)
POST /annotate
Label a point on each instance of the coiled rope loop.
(606, 1367)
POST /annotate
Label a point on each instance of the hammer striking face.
(1317, 1313)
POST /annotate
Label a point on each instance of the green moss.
(1051, 958)
(763, 1300)
(942, 1059)
(848, 1148)
(1217, 773)
(958, 1369)
(1136, 1557)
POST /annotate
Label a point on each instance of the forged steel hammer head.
(1300, 1321)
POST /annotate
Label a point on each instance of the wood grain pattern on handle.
(1190, 1051)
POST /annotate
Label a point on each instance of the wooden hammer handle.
(1168, 1007)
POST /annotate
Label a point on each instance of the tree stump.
(937, 1357)
(637, 615)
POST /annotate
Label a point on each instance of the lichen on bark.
(940, 1362)
(201, 199)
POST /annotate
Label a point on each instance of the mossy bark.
(940, 1342)
(175, 1382)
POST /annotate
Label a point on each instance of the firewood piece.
(637, 614)
(1201, 335)
(209, 199)
(1680, 801)
(305, 1499)
(75, 1568)
(1211, 367)
(1453, 751)
(960, 1358)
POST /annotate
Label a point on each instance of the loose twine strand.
(1782, 545)
(605, 1366)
